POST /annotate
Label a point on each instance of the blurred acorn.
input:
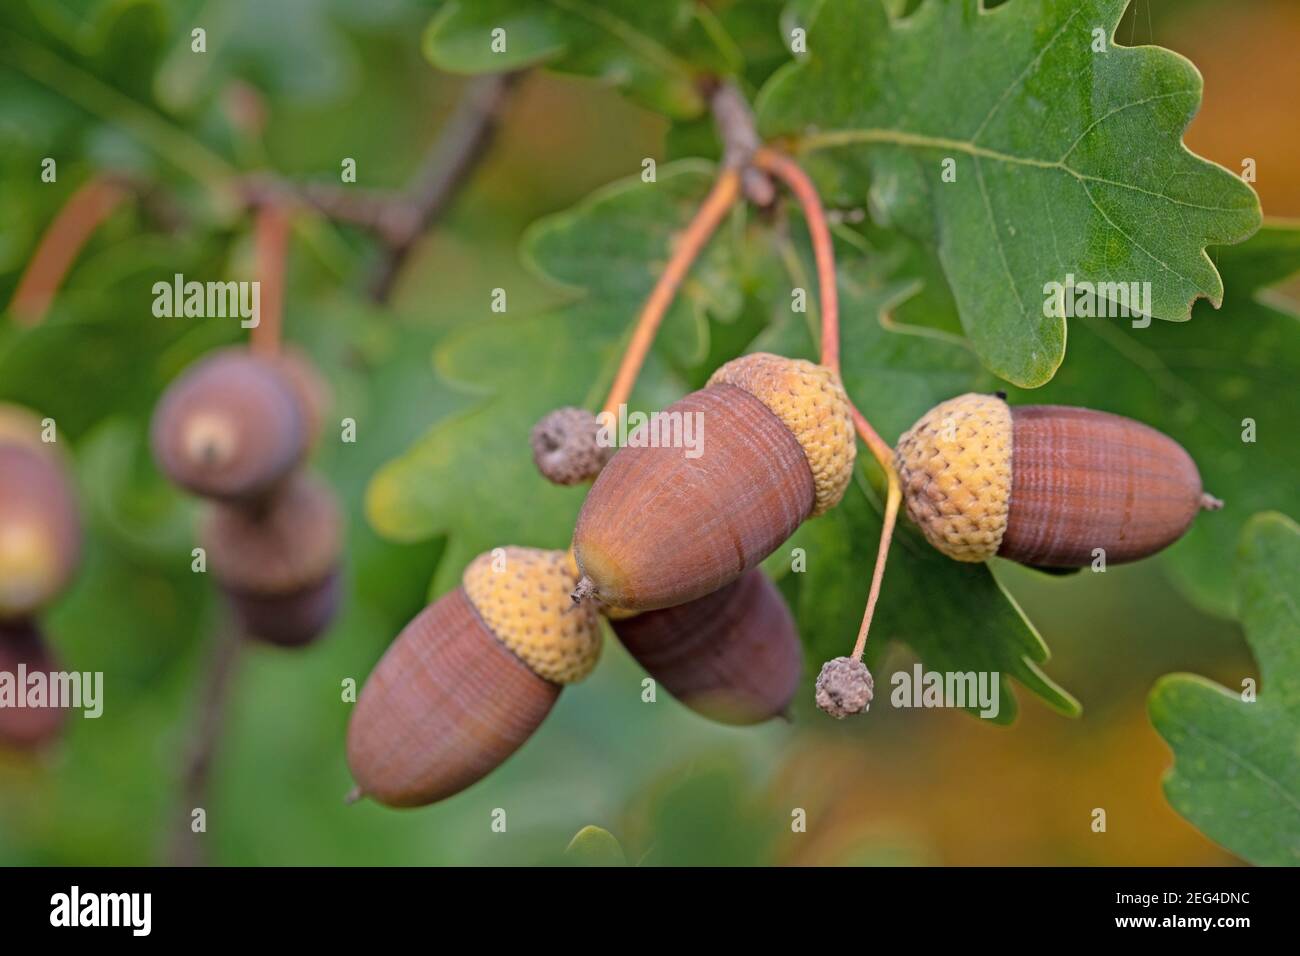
(278, 562)
(40, 533)
(733, 656)
(24, 727)
(231, 427)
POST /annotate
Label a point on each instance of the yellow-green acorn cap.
(810, 401)
(955, 468)
(523, 596)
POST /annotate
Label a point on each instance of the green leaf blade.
(1236, 776)
(1040, 132)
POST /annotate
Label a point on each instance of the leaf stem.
(893, 498)
(73, 225)
(792, 174)
(723, 195)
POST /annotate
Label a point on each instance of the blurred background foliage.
(296, 85)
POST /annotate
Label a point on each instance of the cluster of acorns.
(40, 546)
(235, 428)
(667, 546)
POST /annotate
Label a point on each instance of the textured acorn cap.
(810, 401)
(527, 605)
(955, 468)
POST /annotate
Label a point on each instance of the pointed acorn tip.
(586, 589)
(1210, 503)
(353, 795)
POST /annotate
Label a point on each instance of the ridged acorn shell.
(27, 728)
(660, 529)
(446, 705)
(733, 656)
(1083, 479)
(231, 427)
(40, 532)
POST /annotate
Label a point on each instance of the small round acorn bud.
(25, 727)
(470, 679)
(278, 562)
(1045, 485)
(844, 687)
(231, 427)
(664, 525)
(40, 533)
(566, 446)
(733, 656)
(309, 387)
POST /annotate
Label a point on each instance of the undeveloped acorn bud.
(309, 387)
(26, 727)
(663, 526)
(566, 446)
(844, 687)
(470, 678)
(1045, 485)
(733, 656)
(231, 427)
(278, 562)
(40, 534)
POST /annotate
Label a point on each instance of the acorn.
(1045, 485)
(231, 427)
(310, 389)
(733, 656)
(25, 727)
(278, 562)
(470, 678)
(40, 533)
(662, 526)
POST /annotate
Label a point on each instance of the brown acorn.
(309, 387)
(278, 561)
(1045, 485)
(40, 534)
(663, 526)
(470, 678)
(25, 727)
(733, 656)
(231, 427)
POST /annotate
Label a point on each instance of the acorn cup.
(733, 656)
(232, 426)
(25, 727)
(470, 678)
(278, 561)
(659, 528)
(1045, 485)
(40, 533)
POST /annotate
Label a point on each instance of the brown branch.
(734, 121)
(463, 141)
(218, 680)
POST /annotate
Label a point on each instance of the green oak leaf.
(471, 476)
(1067, 161)
(594, 846)
(1210, 384)
(1235, 773)
(954, 616)
(655, 52)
